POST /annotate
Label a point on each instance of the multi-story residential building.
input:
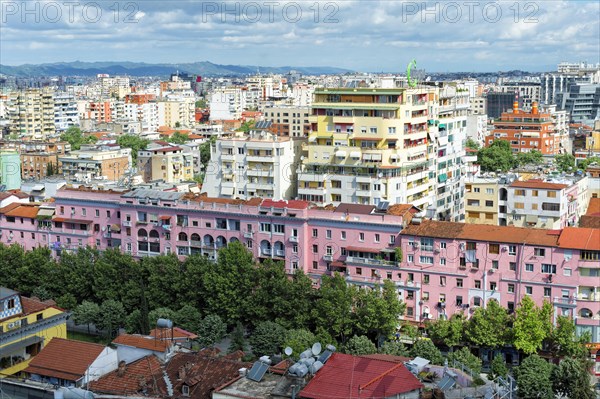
(26, 326)
(228, 103)
(478, 106)
(529, 92)
(10, 170)
(162, 161)
(581, 101)
(31, 113)
(370, 145)
(38, 158)
(288, 121)
(485, 200)
(526, 131)
(439, 268)
(177, 113)
(66, 113)
(567, 74)
(496, 103)
(96, 162)
(98, 111)
(477, 128)
(259, 164)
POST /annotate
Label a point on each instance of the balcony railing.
(370, 261)
(32, 328)
(293, 239)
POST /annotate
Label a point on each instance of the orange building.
(139, 98)
(526, 131)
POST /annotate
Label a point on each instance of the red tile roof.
(32, 305)
(347, 376)
(291, 204)
(142, 342)
(24, 211)
(539, 184)
(53, 362)
(480, 232)
(580, 238)
(593, 207)
(355, 209)
(147, 369)
(178, 333)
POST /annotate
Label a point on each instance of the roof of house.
(10, 207)
(142, 342)
(178, 333)
(52, 362)
(480, 232)
(593, 207)
(580, 238)
(539, 184)
(355, 209)
(147, 369)
(347, 376)
(292, 204)
(203, 372)
(23, 211)
(34, 305)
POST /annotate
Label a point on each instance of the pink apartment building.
(439, 268)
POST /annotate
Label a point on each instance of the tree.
(564, 162)
(394, 348)
(449, 332)
(488, 326)
(360, 345)
(205, 151)
(41, 293)
(135, 142)
(583, 164)
(111, 317)
(212, 330)
(426, 349)
(466, 358)
(498, 367)
(498, 156)
(533, 157)
(299, 340)
(179, 138)
(238, 341)
(267, 338)
(572, 380)
(332, 310)
(564, 340)
(133, 322)
(472, 144)
(75, 137)
(247, 126)
(160, 313)
(86, 313)
(200, 104)
(188, 318)
(531, 326)
(533, 378)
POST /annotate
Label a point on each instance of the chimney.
(516, 103)
(121, 369)
(534, 108)
(181, 373)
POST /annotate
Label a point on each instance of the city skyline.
(443, 37)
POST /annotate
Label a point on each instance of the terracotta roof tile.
(580, 238)
(10, 207)
(538, 184)
(142, 342)
(24, 211)
(32, 305)
(52, 362)
(371, 378)
(147, 369)
(479, 232)
(593, 207)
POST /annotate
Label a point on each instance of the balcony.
(32, 328)
(293, 239)
(569, 302)
(328, 258)
(166, 227)
(126, 223)
(408, 284)
(248, 234)
(370, 261)
(265, 252)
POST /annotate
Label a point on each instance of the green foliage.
(211, 330)
(399, 254)
(498, 367)
(564, 162)
(188, 318)
(531, 326)
(133, 322)
(247, 126)
(533, 157)
(472, 144)
(299, 340)
(201, 104)
(449, 332)
(360, 345)
(238, 341)
(133, 141)
(41, 293)
(583, 164)
(394, 348)
(86, 313)
(466, 358)
(267, 338)
(75, 137)
(332, 310)
(533, 378)
(179, 138)
(571, 379)
(564, 340)
(111, 317)
(427, 350)
(160, 313)
(497, 156)
(488, 327)
(205, 151)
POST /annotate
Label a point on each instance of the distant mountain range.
(204, 68)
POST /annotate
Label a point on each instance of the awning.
(45, 212)
(531, 218)
(367, 157)
(115, 227)
(337, 263)
(443, 140)
(340, 154)
(362, 249)
(19, 345)
(165, 217)
(376, 157)
(312, 139)
(395, 156)
(367, 138)
(355, 154)
(227, 191)
(75, 221)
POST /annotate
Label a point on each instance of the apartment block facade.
(288, 121)
(31, 113)
(439, 268)
(162, 161)
(96, 162)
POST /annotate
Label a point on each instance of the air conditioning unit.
(13, 325)
(504, 248)
(436, 251)
(492, 270)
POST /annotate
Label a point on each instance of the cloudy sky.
(367, 36)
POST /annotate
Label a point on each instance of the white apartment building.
(258, 164)
(288, 121)
(177, 113)
(478, 105)
(477, 128)
(227, 103)
(31, 113)
(65, 111)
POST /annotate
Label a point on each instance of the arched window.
(182, 236)
(154, 234)
(142, 233)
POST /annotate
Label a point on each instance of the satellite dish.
(316, 349)
(288, 351)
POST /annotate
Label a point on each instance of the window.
(376, 237)
(494, 248)
(551, 194)
(459, 300)
(459, 282)
(519, 205)
(410, 295)
(83, 212)
(489, 191)
(410, 258)
(534, 193)
(512, 266)
(528, 267)
(443, 261)
(478, 284)
(565, 293)
(315, 264)
(411, 277)
(495, 264)
(567, 272)
(547, 291)
(489, 203)
(97, 213)
(392, 239)
(471, 246)
(425, 296)
(361, 236)
(185, 390)
(315, 233)
(426, 244)
(343, 235)
(329, 250)
(315, 248)
(359, 271)
(279, 228)
(529, 290)
(428, 260)
(493, 286)
(520, 193)
(328, 234)
(512, 249)
(409, 311)
(476, 301)
(443, 281)
(511, 288)
(426, 279)
(443, 245)
(534, 207)
(548, 269)
(539, 251)
(590, 255)
(295, 248)
(266, 227)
